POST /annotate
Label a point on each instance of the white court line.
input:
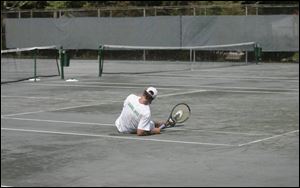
(160, 96)
(171, 87)
(188, 76)
(222, 132)
(28, 97)
(50, 98)
(260, 92)
(196, 77)
(166, 95)
(118, 137)
(23, 113)
(131, 86)
(112, 125)
(57, 109)
(248, 88)
(57, 121)
(71, 107)
(193, 76)
(229, 91)
(260, 140)
(182, 93)
(239, 71)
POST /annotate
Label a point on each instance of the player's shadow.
(179, 125)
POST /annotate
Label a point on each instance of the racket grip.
(162, 126)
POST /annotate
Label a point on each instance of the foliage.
(22, 5)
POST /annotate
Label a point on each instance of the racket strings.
(180, 113)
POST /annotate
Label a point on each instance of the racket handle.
(162, 126)
(170, 123)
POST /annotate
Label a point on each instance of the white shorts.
(152, 125)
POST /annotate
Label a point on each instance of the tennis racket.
(179, 114)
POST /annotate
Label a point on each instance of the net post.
(57, 63)
(194, 58)
(257, 52)
(191, 59)
(35, 68)
(61, 57)
(100, 59)
(194, 55)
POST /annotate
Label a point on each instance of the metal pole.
(35, 73)
(194, 58)
(61, 62)
(100, 59)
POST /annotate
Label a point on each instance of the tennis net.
(121, 59)
(26, 63)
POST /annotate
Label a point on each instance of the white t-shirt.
(134, 116)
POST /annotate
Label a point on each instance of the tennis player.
(136, 115)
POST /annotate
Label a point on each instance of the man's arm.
(159, 123)
(141, 132)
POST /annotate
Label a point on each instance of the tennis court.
(243, 131)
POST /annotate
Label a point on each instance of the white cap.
(152, 92)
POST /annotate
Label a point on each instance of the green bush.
(295, 57)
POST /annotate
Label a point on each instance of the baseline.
(117, 137)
